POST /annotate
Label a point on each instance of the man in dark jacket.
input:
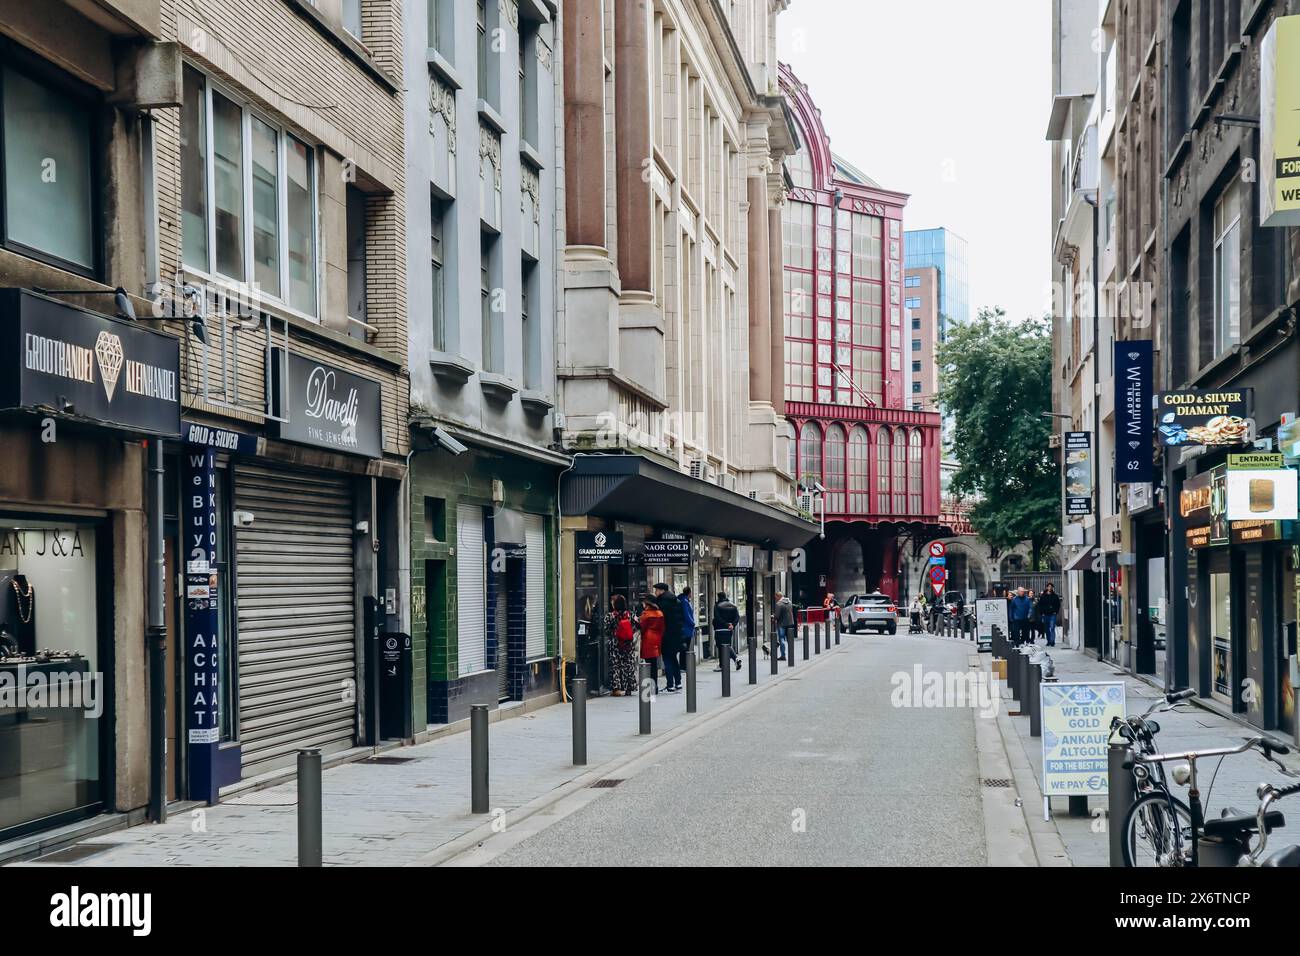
(1019, 611)
(672, 642)
(1049, 606)
(784, 619)
(726, 617)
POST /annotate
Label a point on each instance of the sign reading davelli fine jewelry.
(323, 405)
(57, 358)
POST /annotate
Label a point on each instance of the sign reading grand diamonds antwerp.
(57, 358)
(326, 406)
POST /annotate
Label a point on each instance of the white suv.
(873, 611)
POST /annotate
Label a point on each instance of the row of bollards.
(309, 761)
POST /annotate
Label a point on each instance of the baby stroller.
(914, 624)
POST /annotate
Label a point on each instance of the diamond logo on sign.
(600, 539)
(109, 355)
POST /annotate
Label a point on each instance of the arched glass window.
(859, 475)
(899, 483)
(914, 473)
(882, 470)
(834, 481)
(810, 453)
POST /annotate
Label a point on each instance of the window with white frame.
(352, 17)
(438, 211)
(248, 196)
(1227, 271)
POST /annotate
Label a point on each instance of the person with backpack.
(671, 608)
(726, 617)
(622, 648)
(652, 636)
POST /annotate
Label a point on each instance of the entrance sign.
(1076, 732)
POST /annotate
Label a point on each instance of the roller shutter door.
(297, 619)
(535, 542)
(471, 583)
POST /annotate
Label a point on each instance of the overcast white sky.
(946, 100)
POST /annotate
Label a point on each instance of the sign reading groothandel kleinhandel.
(1076, 733)
(1279, 96)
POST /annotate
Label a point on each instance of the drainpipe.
(156, 639)
(1103, 641)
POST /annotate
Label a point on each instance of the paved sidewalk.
(418, 811)
(1191, 727)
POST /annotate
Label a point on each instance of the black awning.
(635, 489)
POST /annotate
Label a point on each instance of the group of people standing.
(662, 630)
(1029, 616)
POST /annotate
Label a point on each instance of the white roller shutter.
(471, 583)
(535, 544)
(297, 618)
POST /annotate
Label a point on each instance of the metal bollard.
(817, 639)
(580, 722)
(1035, 704)
(753, 660)
(646, 693)
(805, 643)
(726, 673)
(309, 808)
(775, 649)
(791, 640)
(1121, 796)
(690, 683)
(478, 758)
(839, 627)
(1013, 672)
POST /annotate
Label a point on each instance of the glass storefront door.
(1221, 635)
(54, 695)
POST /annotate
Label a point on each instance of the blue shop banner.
(202, 586)
(1133, 417)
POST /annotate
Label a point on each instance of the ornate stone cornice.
(442, 102)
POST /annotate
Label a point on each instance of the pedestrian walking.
(652, 636)
(620, 631)
(671, 608)
(725, 618)
(915, 614)
(688, 627)
(784, 620)
(1019, 611)
(1049, 607)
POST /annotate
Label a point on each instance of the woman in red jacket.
(652, 636)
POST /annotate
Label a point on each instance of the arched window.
(810, 453)
(914, 473)
(859, 475)
(899, 483)
(882, 471)
(834, 480)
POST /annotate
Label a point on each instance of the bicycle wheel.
(1156, 835)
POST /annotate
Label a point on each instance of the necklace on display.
(30, 598)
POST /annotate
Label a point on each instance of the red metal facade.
(846, 377)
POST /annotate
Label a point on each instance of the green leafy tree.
(995, 382)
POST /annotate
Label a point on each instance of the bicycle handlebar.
(1268, 748)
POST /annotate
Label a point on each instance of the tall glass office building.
(946, 251)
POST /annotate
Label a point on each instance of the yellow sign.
(1279, 96)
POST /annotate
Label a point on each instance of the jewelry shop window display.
(53, 695)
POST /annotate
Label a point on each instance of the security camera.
(448, 442)
(819, 488)
(243, 518)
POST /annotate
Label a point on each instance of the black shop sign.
(668, 549)
(59, 359)
(598, 547)
(326, 406)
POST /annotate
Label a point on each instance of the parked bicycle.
(1160, 830)
(1140, 731)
